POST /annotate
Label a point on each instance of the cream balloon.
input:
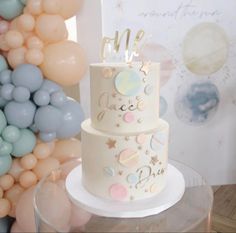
(34, 56)
(67, 149)
(14, 39)
(3, 43)
(34, 7)
(28, 161)
(5, 207)
(42, 151)
(51, 28)
(64, 63)
(34, 42)
(16, 169)
(25, 211)
(6, 182)
(16, 57)
(26, 22)
(69, 8)
(1, 192)
(45, 166)
(4, 26)
(27, 179)
(51, 6)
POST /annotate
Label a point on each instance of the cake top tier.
(124, 98)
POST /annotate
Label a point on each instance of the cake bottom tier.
(124, 168)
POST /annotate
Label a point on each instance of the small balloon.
(3, 121)
(6, 182)
(5, 207)
(16, 169)
(20, 114)
(34, 7)
(5, 164)
(14, 39)
(42, 151)
(25, 144)
(1, 192)
(47, 137)
(41, 98)
(29, 76)
(3, 44)
(58, 98)
(26, 22)
(34, 42)
(16, 57)
(34, 56)
(5, 76)
(48, 119)
(72, 118)
(28, 161)
(50, 86)
(27, 179)
(51, 28)
(5, 149)
(3, 63)
(11, 134)
(64, 63)
(51, 6)
(6, 91)
(4, 26)
(10, 9)
(21, 94)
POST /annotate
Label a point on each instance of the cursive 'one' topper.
(113, 45)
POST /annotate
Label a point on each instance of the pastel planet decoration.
(64, 63)
(148, 89)
(109, 171)
(132, 179)
(205, 48)
(128, 158)
(118, 192)
(197, 103)
(158, 141)
(129, 117)
(141, 139)
(128, 83)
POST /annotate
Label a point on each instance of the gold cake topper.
(115, 44)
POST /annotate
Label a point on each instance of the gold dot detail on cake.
(118, 192)
(128, 83)
(107, 73)
(111, 143)
(129, 158)
(154, 160)
(141, 139)
(153, 188)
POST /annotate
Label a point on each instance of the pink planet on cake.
(129, 158)
(118, 192)
(129, 117)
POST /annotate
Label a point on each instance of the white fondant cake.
(124, 167)
(124, 99)
(125, 144)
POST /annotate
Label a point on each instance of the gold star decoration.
(117, 125)
(114, 95)
(145, 68)
(120, 173)
(111, 143)
(154, 160)
(140, 148)
(127, 138)
(147, 152)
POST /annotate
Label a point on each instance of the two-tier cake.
(124, 144)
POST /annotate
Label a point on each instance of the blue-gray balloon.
(6, 91)
(5, 164)
(3, 102)
(47, 137)
(72, 118)
(58, 98)
(48, 119)
(34, 128)
(41, 98)
(5, 76)
(50, 86)
(29, 76)
(4, 224)
(21, 94)
(20, 115)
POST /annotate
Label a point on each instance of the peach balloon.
(51, 28)
(16, 228)
(34, 7)
(3, 43)
(16, 169)
(70, 8)
(51, 6)
(14, 39)
(6, 182)
(64, 63)
(79, 217)
(26, 22)
(16, 57)
(5, 207)
(14, 24)
(67, 149)
(34, 56)
(4, 26)
(1, 192)
(28, 179)
(34, 42)
(13, 195)
(42, 151)
(55, 206)
(28, 161)
(45, 166)
(51, 145)
(25, 211)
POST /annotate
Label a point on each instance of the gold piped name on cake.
(130, 50)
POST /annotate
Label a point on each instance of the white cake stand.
(172, 193)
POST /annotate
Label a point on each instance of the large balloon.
(9, 9)
(64, 63)
(69, 8)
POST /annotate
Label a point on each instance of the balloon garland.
(36, 136)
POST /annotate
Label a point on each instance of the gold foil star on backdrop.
(111, 143)
(154, 160)
(145, 68)
(120, 173)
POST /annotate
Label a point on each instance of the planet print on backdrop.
(205, 48)
(128, 83)
(197, 103)
(158, 53)
(163, 106)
